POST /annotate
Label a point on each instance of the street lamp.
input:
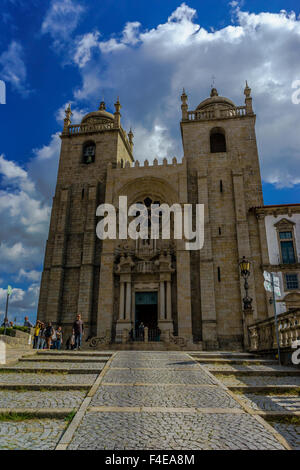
(245, 273)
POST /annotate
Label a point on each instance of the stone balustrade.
(88, 128)
(238, 111)
(262, 334)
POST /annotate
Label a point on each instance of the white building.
(283, 237)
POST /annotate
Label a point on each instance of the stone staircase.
(261, 386)
(43, 390)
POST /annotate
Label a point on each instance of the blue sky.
(53, 52)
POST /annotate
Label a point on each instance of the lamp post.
(245, 273)
(9, 292)
(244, 265)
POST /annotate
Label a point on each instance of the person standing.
(78, 329)
(48, 335)
(36, 335)
(59, 338)
(27, 323)
(42, 336)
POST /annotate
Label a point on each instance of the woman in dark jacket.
(49, 331)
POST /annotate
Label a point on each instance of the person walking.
(48, 335)
(59, 338)
(78, 329)
(141, 331)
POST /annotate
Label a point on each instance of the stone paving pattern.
(31, 434)
(157, 376)
(36, 399)
(166, 396)
(172, 431)
(291, 432)
(272, 402)
(45, 379)
(173, 395)
(163, 427)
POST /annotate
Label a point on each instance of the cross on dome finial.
(214, 92)
(102, 106)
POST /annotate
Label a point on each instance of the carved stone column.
(162, 300)
(122, 297)
(169, 301)
(128, 300)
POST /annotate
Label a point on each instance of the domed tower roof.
(215, 99)
(100, 116)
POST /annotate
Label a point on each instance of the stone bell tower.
(70, 280)
(223, 174)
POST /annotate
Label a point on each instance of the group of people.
(46, 336)
(7, 324)
(10, 324)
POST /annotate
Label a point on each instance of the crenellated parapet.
(146, 164)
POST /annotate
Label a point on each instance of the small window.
(219, 274)
(217, 140)
(292, 281)
(221, 186)
(285, 235)
(287, 252)
(89, 150)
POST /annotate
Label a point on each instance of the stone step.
(224, 355)
(64, 359)
(236, 361)
(73, 353)
(36, 412)
(64, 370)
(264, 388)
(276, 414)
(20, 386)
(258, 373)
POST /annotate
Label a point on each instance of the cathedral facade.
(116, 285)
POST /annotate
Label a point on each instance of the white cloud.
(149, 70)
(77, 114)
(21, 302)
(30, 275)
(25, 205)
(131, 32)
(13, 69)
(62, 19)
(155, 143)
(84, 44)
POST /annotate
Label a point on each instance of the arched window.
(88, 152)
(217, 140)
